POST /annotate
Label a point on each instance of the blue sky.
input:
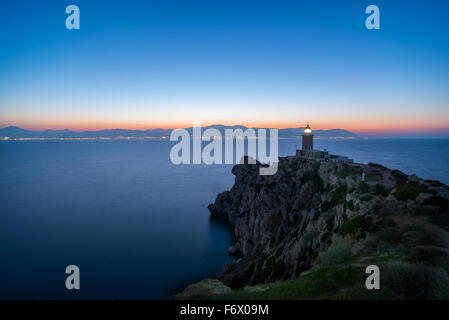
(149, 64)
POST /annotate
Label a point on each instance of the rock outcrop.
(282, 223)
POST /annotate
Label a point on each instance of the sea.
(136, 225)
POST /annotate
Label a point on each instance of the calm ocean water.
(135, 224)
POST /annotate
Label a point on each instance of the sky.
(151, 64)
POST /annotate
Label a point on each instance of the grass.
(346, 280)
(399, 280)
(321, 283)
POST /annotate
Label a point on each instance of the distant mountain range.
(16, 132)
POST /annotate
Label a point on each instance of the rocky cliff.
(311, 214)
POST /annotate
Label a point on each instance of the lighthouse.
(307, 151)
(307, 139)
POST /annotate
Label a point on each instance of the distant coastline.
(16, 133)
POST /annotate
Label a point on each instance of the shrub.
(442, 220)
(348, 170)
(366, 198)
(382, 210)
(271, 185)
(437, 201)
(413, 227)
(376, 165)
(307, 239)
(428, 256)
(374, 176)
(399, 176)
(426, 239)
(358, 225)
(363, 187)
(377, 177)
(336, 254)
(389, 235)
(380, 224)
(338, 195)
(409, 191)
(386, 223)
(350, 205)
(434, 183)
(326, 205)
(379, 189)
(314, 176)
(330, 221)
(410, 281)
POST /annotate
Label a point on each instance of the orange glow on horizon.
(358, 127)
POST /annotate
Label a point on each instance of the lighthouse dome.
(308, 129)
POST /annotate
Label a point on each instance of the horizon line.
(385, 131)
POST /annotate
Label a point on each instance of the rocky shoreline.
(313, 214)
